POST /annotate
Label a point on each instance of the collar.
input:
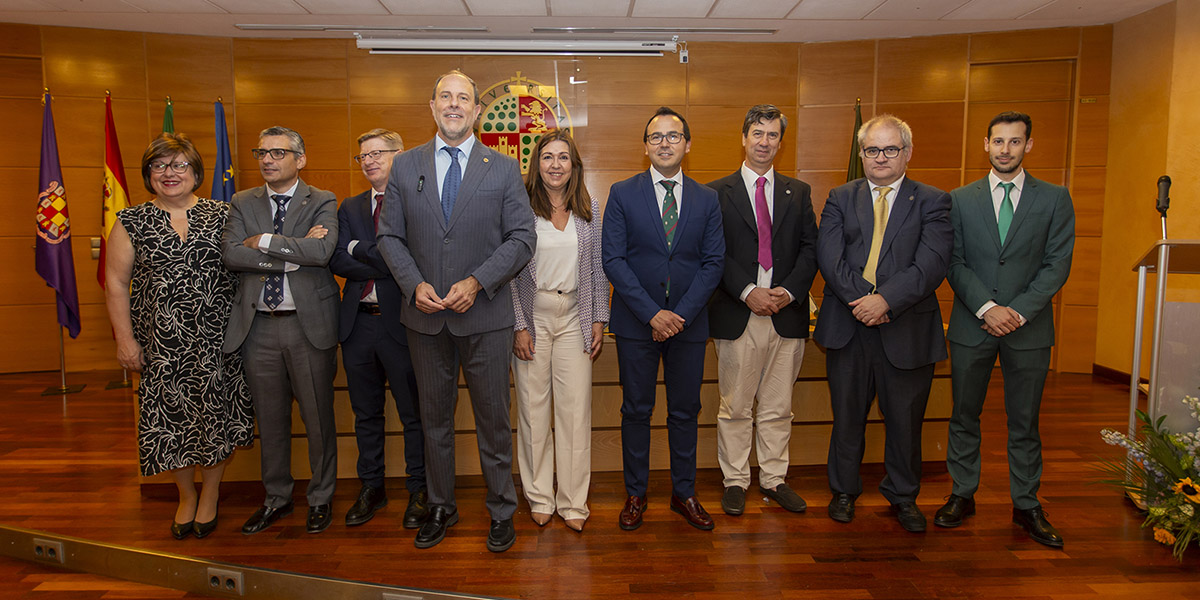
(656, 177)
(291, 192)
(750, 178)
(994, 180)
(467, 146)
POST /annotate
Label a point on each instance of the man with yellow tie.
(883, 249)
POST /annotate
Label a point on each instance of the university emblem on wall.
(516, 113)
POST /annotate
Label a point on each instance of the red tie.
(367, 289)
(764, 224)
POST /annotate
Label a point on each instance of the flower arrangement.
(1162, 469)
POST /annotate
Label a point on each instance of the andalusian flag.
(222, 181)
(116, 192)
(52, 253)
(855, 169)
(169, 118)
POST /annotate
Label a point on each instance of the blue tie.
(450, 184)
(273, 288)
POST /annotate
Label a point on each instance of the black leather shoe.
(911, 518)
(841, 508)
(201, 530)
(733, 502)
(434, 528)
(181, 530)
(1034, 521)
(318, 518)
(418, 509)
(266, 516)
(786, 497)
(501, 535)
(951, 513)
(370, 499)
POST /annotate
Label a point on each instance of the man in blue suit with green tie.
(1013, 240)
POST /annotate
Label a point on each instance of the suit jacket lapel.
(981, 200)
(901, 206)
(685, 209)
(477, 167)
(430, 189)
(650, 202)
(743, 203)
(363, 213)
(1026, 206)
(781, 204)
(864, 209)
(263, 210)
(295, 207)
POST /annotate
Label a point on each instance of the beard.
(1011, 167)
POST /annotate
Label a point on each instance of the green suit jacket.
(1023, 274)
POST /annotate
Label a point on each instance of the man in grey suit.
(455, 222)
(278, 239)
(1013, 240)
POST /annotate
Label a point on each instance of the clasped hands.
(1000, 321)
(318, 232)
(665, 324)
(460, 297)
(871, 310)
(765, 302)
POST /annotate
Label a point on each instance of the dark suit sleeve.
(393, 233)
(712, 263)
(354, 266)
(519, 237)
(1056, 262)
(306, 251)
(965, 283)
(236, 255)
(846, 282)
(615, 252)
(921, 278)
(800, 280)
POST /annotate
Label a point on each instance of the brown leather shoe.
(692, 511)
(631, 515)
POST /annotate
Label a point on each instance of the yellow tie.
(881, 217)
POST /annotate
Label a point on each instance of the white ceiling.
(795, 20)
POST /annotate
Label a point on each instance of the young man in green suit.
(1013, 240)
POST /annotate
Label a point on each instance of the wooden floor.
(68, 465)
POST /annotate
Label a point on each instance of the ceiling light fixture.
(495, 47)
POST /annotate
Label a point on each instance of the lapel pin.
(485, 159)
(788, 192)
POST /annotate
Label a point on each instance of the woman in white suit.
(561, 303)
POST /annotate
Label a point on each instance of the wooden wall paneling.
(307, 71)
(836, 73)
(1091, 132)
(923, 69)
(137, 187)
(717, 138)
(21, 77)
(86, 62)
(18, 39)
(824, 135)
(822, 182)
(1076, 343)
(394, 79)
(937, 132)
(343, 183)
(189, 68)
(1087, 193)
(83, 203)
(634, 80)
(1083, 286)
(1038, 80)
(1051, 130)
(1095, 60)
(197, 120)
(600, 182)
(79, 124)
(34, 330)
(22, 184)
(488, 71)
(1032, 44)
(943, 179)
(612, 140)
(324, 129)
(24, 285)
(739, 74)
(414, 123)
(94, 348)
(23, 132)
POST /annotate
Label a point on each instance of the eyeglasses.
(373, 155)
(276, 153)
(178, 167)
(889, 152)
(673, 137)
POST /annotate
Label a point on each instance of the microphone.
(1164, 201)
(421, 183)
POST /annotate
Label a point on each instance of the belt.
(369, 308)
(275, 314)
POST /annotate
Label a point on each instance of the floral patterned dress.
(194, 404)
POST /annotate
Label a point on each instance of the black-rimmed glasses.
(276, 153)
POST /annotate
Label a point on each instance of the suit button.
(662, 284)
(446, 241)
(1002, 262)
(995, 291)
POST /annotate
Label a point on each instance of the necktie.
(273, 287)
(881, 216)
(764, 223)
(450, 183)
(367, 289)
(670, 218)
(1006, 211)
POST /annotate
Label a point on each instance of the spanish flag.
(116, 193)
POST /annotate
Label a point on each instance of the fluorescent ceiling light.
(517, 47)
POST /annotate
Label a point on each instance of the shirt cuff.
(264, 242)
(746, 292)
(289, 267)
(350, 247)
(986, 307)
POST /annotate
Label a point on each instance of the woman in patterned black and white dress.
(194, 407)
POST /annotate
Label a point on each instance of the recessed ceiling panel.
(684, 9)
(261, 7)
(990, 9)
(507, 8)
(343, 7)
(1094, 11)
(99, 6)
(425, 7)
(27, 6)
(834, 9)
(915, 10)
(759, 9)
(176, 6)
(589, 8)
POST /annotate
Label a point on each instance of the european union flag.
(222, 188)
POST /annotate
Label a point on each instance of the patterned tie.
(273, 288)
(670, 218)
(764, 223)
(1006, 211)
(451, 182)
(370, 287)
(881, 217)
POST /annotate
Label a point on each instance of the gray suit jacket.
(1024, 274)
(490, 236)
(313, 288)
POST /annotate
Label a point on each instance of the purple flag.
(53, 255)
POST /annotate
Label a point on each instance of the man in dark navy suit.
(374, 341)
(664, 252)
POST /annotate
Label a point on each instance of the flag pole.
(62, 372)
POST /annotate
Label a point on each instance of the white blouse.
(557, 256)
